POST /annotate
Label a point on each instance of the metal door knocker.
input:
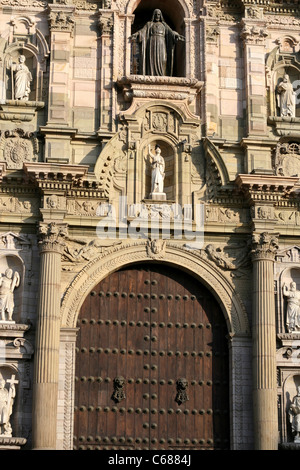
(181, 386)
(119, 393)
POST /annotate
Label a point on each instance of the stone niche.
(289, 421)
(283, 79)
(23, 70)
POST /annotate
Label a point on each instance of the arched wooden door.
(151, 364)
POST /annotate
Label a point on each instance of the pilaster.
(106, 26)
(262, 193)
(253, 35)
(54, 181)
(58, 131)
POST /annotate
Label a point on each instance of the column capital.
(52, 236)
(264, 246)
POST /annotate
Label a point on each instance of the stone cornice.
(265, 188)
(54, 176)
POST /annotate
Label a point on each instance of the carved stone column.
(45, 387)
(264, 343)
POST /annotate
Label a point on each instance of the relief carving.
(222, 260)
(80, 251)
(156, 248)
(222, 214)
(287, 159)
(18, 147)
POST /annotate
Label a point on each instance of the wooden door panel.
(151, 327)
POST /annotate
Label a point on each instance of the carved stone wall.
(74, 153)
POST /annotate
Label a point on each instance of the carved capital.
(52, 237)
(106, 23)
(61, 21)
(254, 34)
(264, 246)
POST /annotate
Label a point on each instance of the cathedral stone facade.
(149, 224)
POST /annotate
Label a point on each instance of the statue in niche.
(7, 396)
(286, 98)
(157, 41)
(22, 79)
(158, 173)
(293, 307)
(294, 415)
(8, 282)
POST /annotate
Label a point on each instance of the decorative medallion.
(18, 147)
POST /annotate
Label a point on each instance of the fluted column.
(45, 387)
(264, 343)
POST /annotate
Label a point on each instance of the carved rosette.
(52, 237)
(264, 246)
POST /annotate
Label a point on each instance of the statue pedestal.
(19, 110)
(12, 443)
(158, 196)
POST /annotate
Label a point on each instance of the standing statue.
(286, 98)
(6, 405)
(22, 79)
(157, 41)
(8, 282)
(293, 307)
(158, 171)
(294, 415)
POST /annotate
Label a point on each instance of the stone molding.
(190, 261)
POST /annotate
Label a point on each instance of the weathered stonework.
(74, 161)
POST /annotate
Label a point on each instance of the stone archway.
(190, 262)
